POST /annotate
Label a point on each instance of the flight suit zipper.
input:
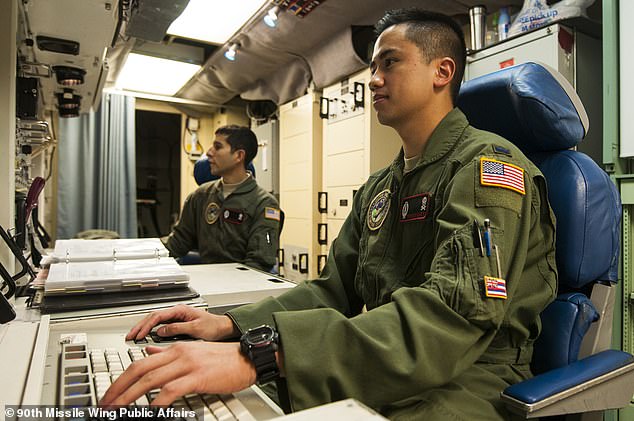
(394, 194)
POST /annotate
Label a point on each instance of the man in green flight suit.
(447, 328)
(231, 219)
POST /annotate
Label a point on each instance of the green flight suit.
(432, 344)
(243, 227)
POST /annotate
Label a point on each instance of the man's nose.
(375, 81)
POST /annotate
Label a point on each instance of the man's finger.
(141, 329)
(173, 329)
(151, 380)
(172, 390)
(132, 375)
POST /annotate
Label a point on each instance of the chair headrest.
(202, 170)
(530, 104)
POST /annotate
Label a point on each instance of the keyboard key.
(218, 408)
(237, 408)
(198, 405)
(142, 401)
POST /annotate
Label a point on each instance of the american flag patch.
(501, 174)
(272, 213)
(495, 287)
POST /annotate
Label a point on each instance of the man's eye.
(389, 62)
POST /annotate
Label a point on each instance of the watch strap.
(265, 363)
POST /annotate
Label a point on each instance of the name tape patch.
(415, 208)
(233, 216)
(495, 287)
(501, 174)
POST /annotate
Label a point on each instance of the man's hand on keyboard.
(182, 369)
(185, 320)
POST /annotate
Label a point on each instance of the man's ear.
(445, 72)
(240, 154)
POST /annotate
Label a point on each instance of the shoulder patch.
(272, 213)
(501, 174)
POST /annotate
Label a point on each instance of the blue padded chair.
(537, 109)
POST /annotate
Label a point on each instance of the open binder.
(108, 265)
(88, 274)
(114, 275)
(77, 250)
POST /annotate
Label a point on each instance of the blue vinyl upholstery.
(526, 105)
(202, 170)
(573, 313)
(555, 381)
(587, 233)
(530, 105)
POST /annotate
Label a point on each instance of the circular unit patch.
(377, 212)
(212, 213)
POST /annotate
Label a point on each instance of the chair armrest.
(563, 384)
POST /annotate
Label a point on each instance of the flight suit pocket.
(481, 291)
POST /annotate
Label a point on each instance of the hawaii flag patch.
(500, 174)
(495, 287)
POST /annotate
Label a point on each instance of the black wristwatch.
(259, 345)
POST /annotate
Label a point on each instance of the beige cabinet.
(300, 169)
(355, 145)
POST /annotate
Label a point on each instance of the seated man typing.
(231, 219)
(453, 264)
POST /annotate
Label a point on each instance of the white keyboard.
(87, 373)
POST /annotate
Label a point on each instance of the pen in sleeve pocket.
(477, 237)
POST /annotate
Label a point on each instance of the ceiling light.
(154, 75)
(231, 52)
(270, 19)
(213, 21)
(69, 76)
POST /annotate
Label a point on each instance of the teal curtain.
(96, 177)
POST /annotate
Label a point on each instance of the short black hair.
(240, 137)
(435, 34)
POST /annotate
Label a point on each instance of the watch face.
(260, 336)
